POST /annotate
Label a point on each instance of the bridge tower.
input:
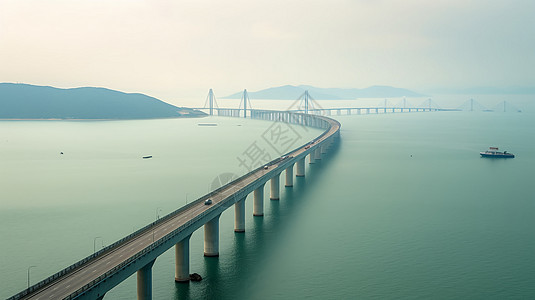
(305, 101)
(245, 100)
(429, 104)
(210, 100)
(307, 97)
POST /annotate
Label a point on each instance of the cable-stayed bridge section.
(307, 105)
(95, 275)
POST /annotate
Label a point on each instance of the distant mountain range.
(290, 92)
(24, 101)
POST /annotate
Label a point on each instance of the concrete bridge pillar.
(290, 176)
(324, 147)
(317, 153)
(312, 157)
(144, 282)
(182, 260)
(258, 201)
(275, 187)
(239, 216)
(211, 237)
(300, 168)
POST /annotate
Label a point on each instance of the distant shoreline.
(115, 119)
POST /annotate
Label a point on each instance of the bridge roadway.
(92, 277)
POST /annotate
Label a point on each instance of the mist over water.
(402, 207)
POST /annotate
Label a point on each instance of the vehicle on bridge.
(208, 202)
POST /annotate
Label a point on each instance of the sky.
(179, 49)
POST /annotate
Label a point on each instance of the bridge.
(93, 276)
(307, 106)
(239, 112)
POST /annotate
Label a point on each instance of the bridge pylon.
(211, 101)
(429, 104)
(472, 105)
(307, 101)
(246, 103)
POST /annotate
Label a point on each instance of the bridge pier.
(258, 201)
(144, 282)
(275, 185)
(312, 157)
(289, 176)
(211, 237)
(182, 260)
(300, 168)
(324, 147)
(317, 153)
(239, 216)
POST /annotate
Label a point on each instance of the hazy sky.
(180, 49)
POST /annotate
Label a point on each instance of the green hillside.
(24, 101)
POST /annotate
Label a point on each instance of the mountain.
(290, 92)
(24, 101)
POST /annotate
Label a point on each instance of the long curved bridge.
(95, 275)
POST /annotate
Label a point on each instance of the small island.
(24, 101)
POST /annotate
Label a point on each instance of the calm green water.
(404, 207)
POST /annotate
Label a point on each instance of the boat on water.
(148, 156)
(493, 152)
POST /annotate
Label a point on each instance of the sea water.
(402, 207)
